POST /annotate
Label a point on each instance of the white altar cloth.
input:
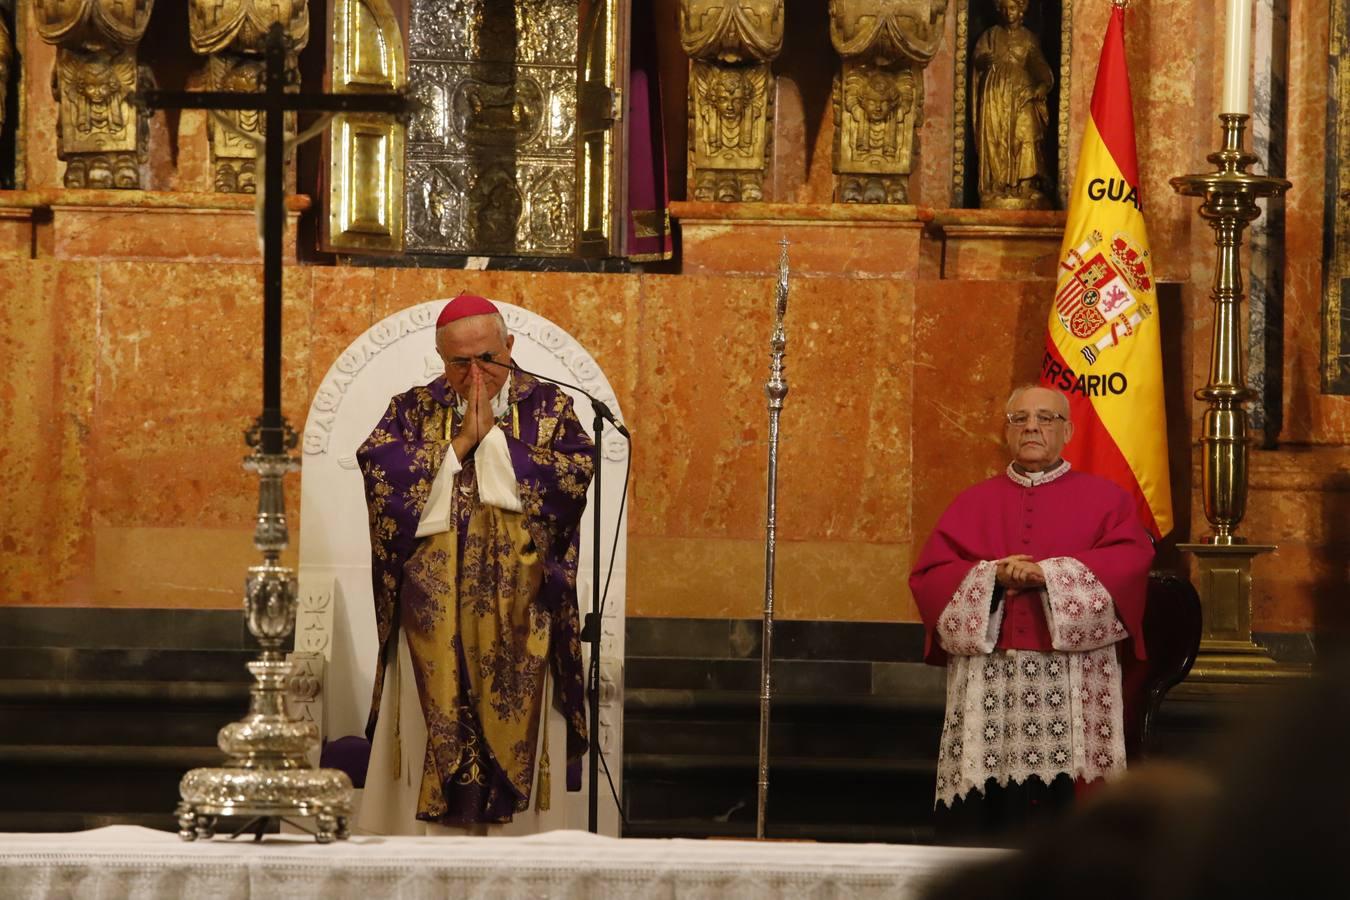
(129, 861)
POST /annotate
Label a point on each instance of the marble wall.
(132, 332)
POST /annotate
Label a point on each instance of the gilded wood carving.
(366, 150)
(730, 44)
(884, 46)
(1011, 82)
(231, 33)
(100, 136)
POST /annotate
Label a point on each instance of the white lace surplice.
(1012, 714)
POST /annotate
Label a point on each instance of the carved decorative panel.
(231, 33)
(492, 156)
(365, 151)
(100, 135)
(731, 88)
(883, 46)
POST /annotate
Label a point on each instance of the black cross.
(271, 433)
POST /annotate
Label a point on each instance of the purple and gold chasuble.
(1033, 678)
(487, 606)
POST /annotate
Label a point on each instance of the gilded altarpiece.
(883, 46)
(364, 156)
(492, 155)
(101, 137)
(1336, 293)
(230, 33)
(1051, 22)
(730, 44)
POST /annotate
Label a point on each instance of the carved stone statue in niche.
(100, 136)
(1011, 80)
(878, 93)
(232, 33)
(730, 43)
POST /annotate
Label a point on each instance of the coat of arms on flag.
(1102, 345)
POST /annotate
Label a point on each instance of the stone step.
(124, 664)
(135, 713)
(105, 780)
(804, 789)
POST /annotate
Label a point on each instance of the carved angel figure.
(233, 33)
(101, 138)
(731, 43)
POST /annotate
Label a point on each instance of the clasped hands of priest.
(478, 417)
(1019, 572)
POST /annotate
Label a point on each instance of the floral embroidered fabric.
(1014, 714)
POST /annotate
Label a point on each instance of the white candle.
(1237, 58)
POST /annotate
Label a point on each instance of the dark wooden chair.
(1172, 626)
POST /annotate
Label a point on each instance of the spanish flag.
(1102, 345)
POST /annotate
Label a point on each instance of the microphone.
(597, 404)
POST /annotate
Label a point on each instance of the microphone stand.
(590, 629)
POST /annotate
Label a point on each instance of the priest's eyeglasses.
(462, 363)
(1043, 419)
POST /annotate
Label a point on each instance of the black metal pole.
(593, 682)
(274, 227)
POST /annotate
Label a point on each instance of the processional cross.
(267, 775)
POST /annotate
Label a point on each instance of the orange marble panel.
(973, 343)
(978, 245)
(724, 578)
(931, 181)
(179, 381)
(16, 233)
(844, 430)
(189, 235)
(48, 450)
(856, 241)
(41, 167)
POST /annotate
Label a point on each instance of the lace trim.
(1031, 479)
(1078, 609)
(966, 627)
(1018, 713)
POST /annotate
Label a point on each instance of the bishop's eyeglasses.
(1042, 418)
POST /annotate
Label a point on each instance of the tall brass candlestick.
(775, 389)
(1227, 652)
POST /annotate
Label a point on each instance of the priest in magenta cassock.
(475, 485)
(1030, 584)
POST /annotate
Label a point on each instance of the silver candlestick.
(268, 774)
(776, 389)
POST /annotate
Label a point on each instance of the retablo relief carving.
(100, 136)
(231, 33)
(492, 156)
(884, 46)
(730, 44)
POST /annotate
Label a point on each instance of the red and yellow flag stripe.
(1102, 344)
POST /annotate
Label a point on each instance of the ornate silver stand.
(268, 774)
(776, 389)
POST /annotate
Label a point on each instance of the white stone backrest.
(337, 615)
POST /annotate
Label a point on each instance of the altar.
(128, 861)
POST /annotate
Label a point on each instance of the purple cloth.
(552, 462)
